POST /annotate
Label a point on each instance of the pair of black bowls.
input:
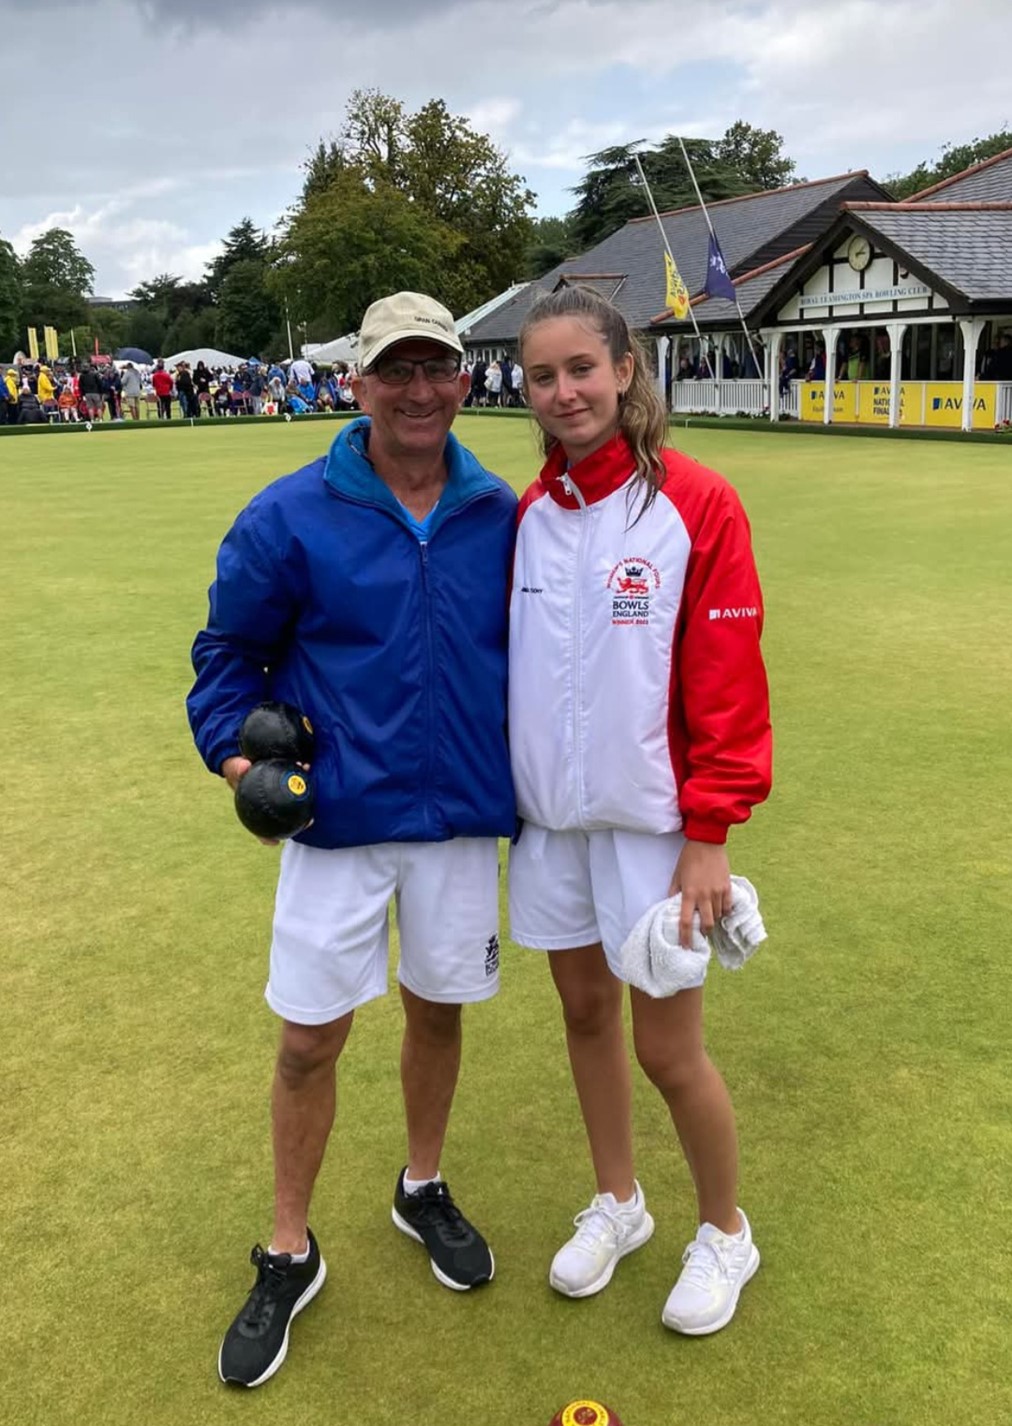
(275, 798)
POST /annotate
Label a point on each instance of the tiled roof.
(990, 181)
(752, 230)
(969, 248)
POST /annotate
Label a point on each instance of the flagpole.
(706, 215)
(667, 249)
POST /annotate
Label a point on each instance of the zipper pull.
(567, 484)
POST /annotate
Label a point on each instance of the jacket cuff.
(694, 829)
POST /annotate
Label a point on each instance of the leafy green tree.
(146, 328)
(551, 241)
(55, 279)
(248, 310)
(10, 301)
(191, 329)
(756, 155)
(954, 158)
(353, 241)
(454, 176)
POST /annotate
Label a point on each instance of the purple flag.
(717, 284)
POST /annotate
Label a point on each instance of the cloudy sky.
(150, 128)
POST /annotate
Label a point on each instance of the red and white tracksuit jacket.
(637, 696)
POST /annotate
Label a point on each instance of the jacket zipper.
(571, 488)
(423, 547)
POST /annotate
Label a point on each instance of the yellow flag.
(33, 344)
(676, 294)
(52, 343)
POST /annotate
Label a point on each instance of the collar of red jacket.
(605, 470)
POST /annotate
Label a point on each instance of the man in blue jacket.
(369, 589)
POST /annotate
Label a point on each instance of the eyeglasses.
(399, 371)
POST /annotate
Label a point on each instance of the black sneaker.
(257, 1342)
(458, 1254)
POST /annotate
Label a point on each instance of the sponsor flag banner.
(52, 343)
(33, 344)
(718, 282)
(676, 294)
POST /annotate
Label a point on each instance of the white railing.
(1003, 402)
(721, 398)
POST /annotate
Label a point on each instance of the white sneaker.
(717, 1267)
(605, 1233)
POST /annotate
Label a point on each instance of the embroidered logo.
(492, 954)
(746, 611)
(631, 582)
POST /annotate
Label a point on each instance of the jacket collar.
(596, 476)
(349, 471)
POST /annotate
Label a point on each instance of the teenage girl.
(639, 727)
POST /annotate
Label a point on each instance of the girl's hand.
(703, 876)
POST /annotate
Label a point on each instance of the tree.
(248, 312)
(551, 242)
(954, 158)
(55, 278)
(170, 308)
(244, 243)
(756, 155)
(352, 241)
(743, 161)
(10, 301)
(455, 176)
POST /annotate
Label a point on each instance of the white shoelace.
(593, 1225)
(699, 1260)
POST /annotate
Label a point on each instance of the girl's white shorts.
(570, 889)
(331, 940)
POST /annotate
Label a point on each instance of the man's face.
(413, 419)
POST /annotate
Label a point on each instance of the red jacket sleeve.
(720, 737)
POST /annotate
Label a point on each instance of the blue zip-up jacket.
(396, 649)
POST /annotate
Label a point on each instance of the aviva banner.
(812, 404)
(943, 404)
(922, 403)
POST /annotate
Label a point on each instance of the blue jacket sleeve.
(252, 609)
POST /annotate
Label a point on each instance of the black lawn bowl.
(275, 799)
(276, 730)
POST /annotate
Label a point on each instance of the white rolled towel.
(654, 962)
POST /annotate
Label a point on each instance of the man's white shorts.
(571, 889)
(331, 937)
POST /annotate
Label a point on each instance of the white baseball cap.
(401, 318)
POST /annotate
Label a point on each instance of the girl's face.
(572, 383)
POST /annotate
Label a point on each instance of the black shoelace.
(270, 1281)
(437, 1208)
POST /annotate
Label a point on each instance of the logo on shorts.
(492, 954)
(631, 582)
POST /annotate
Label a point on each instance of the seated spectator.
(296, 403)
(307, 391)
(67, 403)
(223, 398)
(30, 410)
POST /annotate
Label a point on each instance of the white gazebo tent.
(341, 349)
(208, 355)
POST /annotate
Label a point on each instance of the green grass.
(866, 1047)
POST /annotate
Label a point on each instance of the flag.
(52, 343)
(676, 294)
(718, 283)
(33, 344)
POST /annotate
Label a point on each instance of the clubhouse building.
(901, 311)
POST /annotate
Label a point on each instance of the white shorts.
(331, 934)
(571, 889)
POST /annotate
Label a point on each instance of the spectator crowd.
(37, 392)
